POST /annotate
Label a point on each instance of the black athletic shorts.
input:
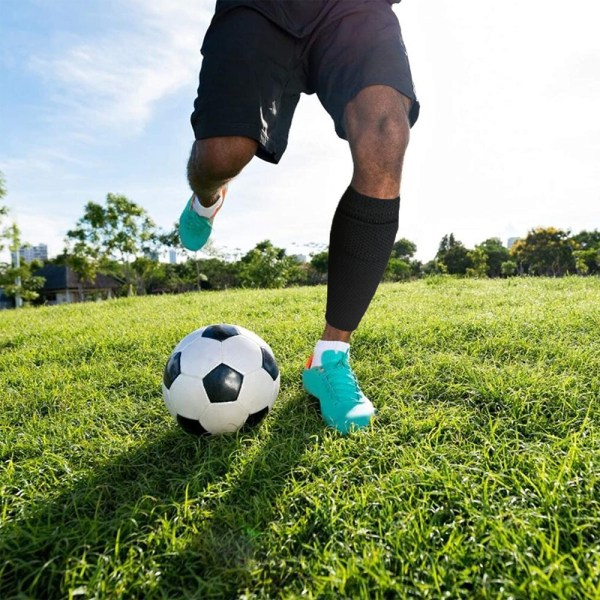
(254, 71)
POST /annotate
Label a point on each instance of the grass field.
(479, 479)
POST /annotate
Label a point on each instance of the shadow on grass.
(176, 516)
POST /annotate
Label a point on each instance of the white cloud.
(110, 84)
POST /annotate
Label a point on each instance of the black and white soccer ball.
(219, 379)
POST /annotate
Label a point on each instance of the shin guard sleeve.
(360, 244)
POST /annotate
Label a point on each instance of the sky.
(95, 97)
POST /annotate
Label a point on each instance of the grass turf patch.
(479, 478)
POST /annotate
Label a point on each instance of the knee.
(220, 158)
(384, 134)
(377, 124)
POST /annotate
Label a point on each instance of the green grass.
(479, 479)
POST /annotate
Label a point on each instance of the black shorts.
(253, 71)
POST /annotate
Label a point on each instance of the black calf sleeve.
(360, 244)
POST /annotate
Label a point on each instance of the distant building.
(30, 253)
(510, 242)
(151, 255)
(172, 256)
(63, 286)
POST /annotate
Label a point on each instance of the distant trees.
(397, 270)
(16, 278)
(401, 265)
(545, 251)
(320, 262)
(120, 229)
(453, 256)
(496, 254)
(266, 266)
(587, 254)
(404, 249)
(119, 238)
(479, 262)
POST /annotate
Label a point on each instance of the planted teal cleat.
(194, 229)
(343, 405)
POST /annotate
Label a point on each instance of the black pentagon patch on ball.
(191, 426)
(254, 419)
(172, 370)
(269, 364)
(220, 332)
(222, 384)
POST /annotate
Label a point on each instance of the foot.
(343, 405)
(195, 229)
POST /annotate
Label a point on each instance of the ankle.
(207, 200)
(207, 211)
(332, 334)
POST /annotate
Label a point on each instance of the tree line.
(544, 251)
(119, 238)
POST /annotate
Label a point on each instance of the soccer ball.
(219, 379)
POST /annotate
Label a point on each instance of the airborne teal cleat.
(194, 229)
(343, 405)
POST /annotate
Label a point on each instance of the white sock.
(206, 211)
(323, 345)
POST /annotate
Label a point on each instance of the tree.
(479, 263)
(403, 249)
(508, 268)
(316, 269)
(545, 251)
(220, 274)
(17, 279)
(397, 269)
(587, 240)
(266, 266)
(453, 255)
(121, 229)
(587, 255)
(433, 267)
(192, 274)
(401, 265)
(586, 261)
(320, 262)
(3, 213)
(496, 254)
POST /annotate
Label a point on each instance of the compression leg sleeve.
(360, 243)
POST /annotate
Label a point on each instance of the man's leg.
(378, 132)
(250, 83)
(362, 235)
(213, 163)
(363, 231)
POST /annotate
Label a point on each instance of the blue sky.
(95, 97)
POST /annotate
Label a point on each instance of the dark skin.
(377, 126)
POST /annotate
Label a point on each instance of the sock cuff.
(206, 211)
(323, 345)
(367, 209)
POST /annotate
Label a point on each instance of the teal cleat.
(194, 230)
(343, 405)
